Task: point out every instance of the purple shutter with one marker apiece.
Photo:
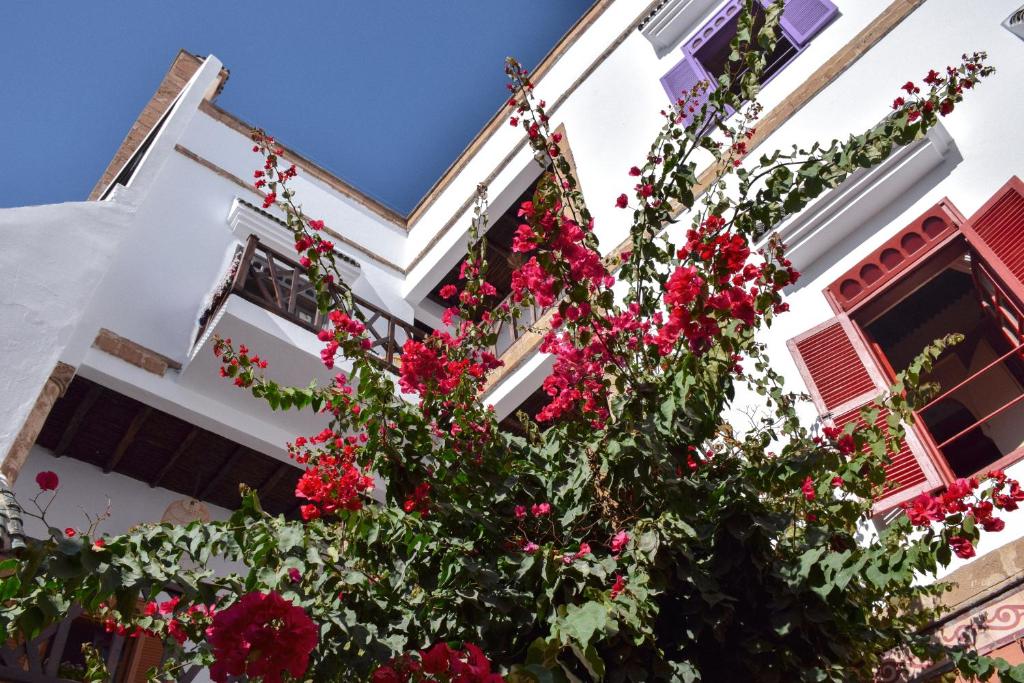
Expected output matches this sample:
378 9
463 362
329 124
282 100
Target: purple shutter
803 19
683 76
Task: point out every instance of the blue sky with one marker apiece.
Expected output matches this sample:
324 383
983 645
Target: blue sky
384 93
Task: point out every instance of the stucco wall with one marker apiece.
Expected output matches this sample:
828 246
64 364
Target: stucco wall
52 257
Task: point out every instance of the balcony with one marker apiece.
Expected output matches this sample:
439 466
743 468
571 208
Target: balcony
274 282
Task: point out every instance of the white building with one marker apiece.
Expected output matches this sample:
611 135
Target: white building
108 306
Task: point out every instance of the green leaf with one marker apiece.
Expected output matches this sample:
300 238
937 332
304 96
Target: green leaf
582 623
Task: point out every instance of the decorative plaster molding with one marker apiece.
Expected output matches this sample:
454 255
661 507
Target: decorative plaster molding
672 21
245 219
1015 23
832 217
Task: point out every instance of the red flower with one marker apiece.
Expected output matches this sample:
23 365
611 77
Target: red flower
923 510
622 202
469 665
808 489
634 171
448 291
437 660
618 586
962 547
69 532
48 481
262 635
619 542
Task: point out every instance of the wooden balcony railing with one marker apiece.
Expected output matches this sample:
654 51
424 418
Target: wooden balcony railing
275 282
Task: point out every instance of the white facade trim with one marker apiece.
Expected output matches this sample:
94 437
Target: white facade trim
673 21
1015 23
829 219
245 221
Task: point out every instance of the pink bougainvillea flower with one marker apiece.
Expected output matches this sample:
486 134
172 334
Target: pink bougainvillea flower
618 586
808 489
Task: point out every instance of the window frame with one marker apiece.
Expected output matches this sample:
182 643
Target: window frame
893 271
798 37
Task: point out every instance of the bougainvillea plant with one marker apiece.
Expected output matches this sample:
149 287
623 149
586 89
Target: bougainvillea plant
634 533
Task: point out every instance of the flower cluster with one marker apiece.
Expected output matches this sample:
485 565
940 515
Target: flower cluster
434 365
238 365
440 662
965 497
418 500
944 90
160 619
261 636
333 479
716 285
346 334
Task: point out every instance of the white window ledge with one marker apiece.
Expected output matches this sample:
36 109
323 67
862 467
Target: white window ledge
830 218
670 22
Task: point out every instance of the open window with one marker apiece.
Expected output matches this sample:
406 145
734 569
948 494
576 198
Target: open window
940 275
502 261
706 54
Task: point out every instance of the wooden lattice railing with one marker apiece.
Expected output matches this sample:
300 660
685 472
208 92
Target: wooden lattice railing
275 282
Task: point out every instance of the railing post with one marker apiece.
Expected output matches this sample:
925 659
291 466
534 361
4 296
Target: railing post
245 263
389 351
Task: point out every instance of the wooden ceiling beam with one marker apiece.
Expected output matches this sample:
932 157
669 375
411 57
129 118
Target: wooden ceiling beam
128 438
225 468
176 456
83 408
273 479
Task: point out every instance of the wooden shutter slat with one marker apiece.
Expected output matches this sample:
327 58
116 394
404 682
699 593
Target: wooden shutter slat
682 77
147 654
904 468
997 232
842 378
834 366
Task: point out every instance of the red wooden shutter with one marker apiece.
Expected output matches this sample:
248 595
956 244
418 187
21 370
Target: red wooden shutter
996 232
147 654
842 377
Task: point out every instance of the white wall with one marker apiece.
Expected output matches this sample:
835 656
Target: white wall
52 257
84 489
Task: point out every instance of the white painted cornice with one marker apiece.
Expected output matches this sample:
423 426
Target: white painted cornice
244 219
672 21
826 221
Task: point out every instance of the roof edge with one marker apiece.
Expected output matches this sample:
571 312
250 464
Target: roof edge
407 221
183 67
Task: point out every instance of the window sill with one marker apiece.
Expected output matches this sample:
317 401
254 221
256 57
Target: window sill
830 218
